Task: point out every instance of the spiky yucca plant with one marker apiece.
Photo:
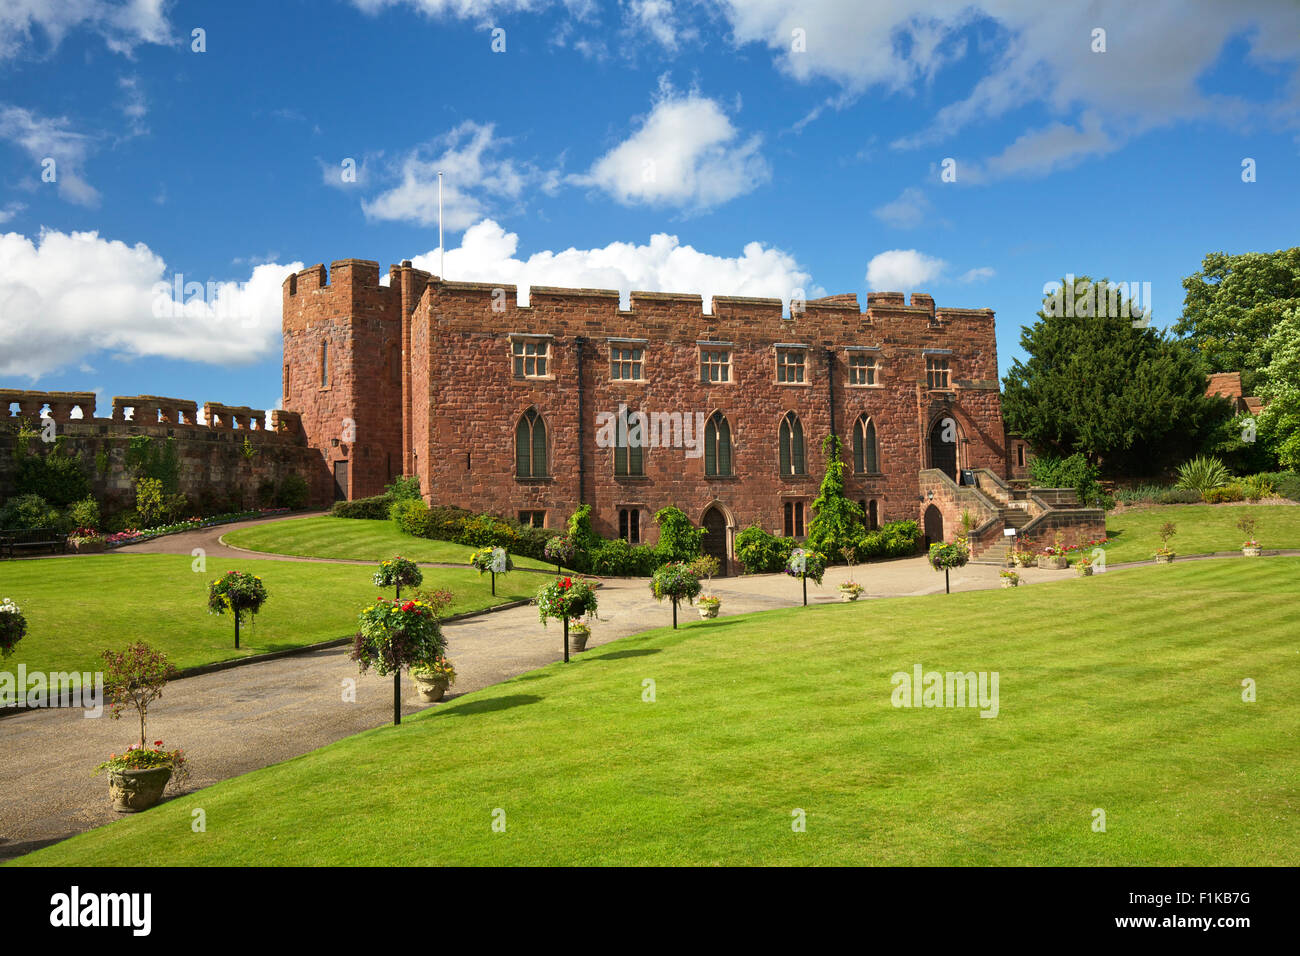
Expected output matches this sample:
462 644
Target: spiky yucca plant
1203 475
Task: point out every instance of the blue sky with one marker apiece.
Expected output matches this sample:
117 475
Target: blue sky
781 145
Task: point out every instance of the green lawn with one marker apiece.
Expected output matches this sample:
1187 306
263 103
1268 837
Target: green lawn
77 607
1120 692
354 539
1202 529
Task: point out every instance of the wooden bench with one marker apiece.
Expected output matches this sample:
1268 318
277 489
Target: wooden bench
11 542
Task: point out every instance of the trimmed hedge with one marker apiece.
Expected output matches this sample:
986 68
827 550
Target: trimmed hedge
375 508
761 552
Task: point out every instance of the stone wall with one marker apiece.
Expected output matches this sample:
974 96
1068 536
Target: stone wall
215 467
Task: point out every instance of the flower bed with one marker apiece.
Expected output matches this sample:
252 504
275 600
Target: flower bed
136 536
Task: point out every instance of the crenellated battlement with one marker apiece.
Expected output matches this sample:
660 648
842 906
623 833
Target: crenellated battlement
138 411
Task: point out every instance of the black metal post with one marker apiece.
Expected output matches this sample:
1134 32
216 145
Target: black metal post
804 579
946 588
566 640
494 583
397 696
236 630
674 614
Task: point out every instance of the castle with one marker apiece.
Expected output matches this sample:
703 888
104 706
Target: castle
531 411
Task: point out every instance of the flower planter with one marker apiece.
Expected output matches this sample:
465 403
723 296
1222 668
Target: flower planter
134 790
578 637
847 596
1008 583
1053 562
88 546
1084 570
1252 552
430 691
1164 558
708 611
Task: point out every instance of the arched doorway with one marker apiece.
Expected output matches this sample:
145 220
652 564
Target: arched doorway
933 524
943 445
714 541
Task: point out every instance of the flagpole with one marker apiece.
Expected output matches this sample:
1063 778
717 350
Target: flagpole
442 274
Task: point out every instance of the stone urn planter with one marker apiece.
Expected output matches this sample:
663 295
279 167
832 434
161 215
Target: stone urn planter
1165 558
1053 562
430 690
1083 570
850 592
708 609
1254 552
578 636
1010 583
134 790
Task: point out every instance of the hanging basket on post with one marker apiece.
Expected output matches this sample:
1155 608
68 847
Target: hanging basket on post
492 561
238 593
805 564
393 635
565 599
677 582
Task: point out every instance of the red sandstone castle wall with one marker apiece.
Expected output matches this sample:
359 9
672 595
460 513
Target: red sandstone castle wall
456 378
468 456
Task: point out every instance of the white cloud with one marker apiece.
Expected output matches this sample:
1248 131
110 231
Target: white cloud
903 270
978 274
133 104
1041 54
908 211
473 179
1055 146
488 253
45 138
10 210
123 25
686 153
67 296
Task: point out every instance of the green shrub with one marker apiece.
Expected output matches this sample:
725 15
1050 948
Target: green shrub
613 558
1229 492
1286 484
411 515
897 539
679 540
1202 474
374 509
760 552
292 492
58 477
1049 471
29 513
1256 487
84 514
403 487
1179 496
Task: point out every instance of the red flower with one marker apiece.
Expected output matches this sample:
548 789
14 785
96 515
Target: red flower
409 605
157 743
566 584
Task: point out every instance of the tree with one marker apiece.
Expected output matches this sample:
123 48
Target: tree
679 540
135 678
1232 307
1279 423
838 521
1121 393
677 582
